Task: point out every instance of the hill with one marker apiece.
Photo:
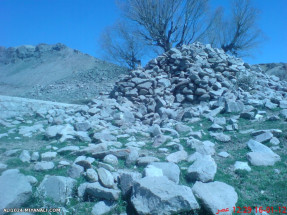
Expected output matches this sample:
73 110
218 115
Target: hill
54 72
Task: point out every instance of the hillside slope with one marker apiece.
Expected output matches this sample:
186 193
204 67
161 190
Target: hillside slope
54 72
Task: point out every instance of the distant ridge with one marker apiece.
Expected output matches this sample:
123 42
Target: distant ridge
54 72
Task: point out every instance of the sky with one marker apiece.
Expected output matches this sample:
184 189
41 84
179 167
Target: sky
79 23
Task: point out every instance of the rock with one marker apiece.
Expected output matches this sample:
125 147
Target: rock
2 166
215 127
283 104
104 137
221 137
48 156
261 155
25 156
106 178
170 170
154 130
143 161
35 156
265 137
283 114
103 207
203 169
127 179
180 128
68 149
57 188
152 171
275 141
239 165
111 159
92 175
75 171
234 107
216 196
15 189
82 126
53 131
97 191
205 147
223 154
44 165
84 161
159 196
247 115
177 157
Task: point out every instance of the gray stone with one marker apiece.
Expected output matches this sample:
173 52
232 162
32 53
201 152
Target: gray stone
127 179
247 115
181 128
205 147
152 171
97 191
234 107
143 161
68 149
275 141
239 165
82 126
265 137
283 114
44 165
203 169
15 189
160 196
221 137
75 171
84 161
106 178
111 159
103 207
2 166
92 175
283 104
48 156
35 156
25 156
57 188
261 155
223 154
170 170
177 157
215 127
216 196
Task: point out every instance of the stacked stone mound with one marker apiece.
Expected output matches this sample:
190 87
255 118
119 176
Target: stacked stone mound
188 75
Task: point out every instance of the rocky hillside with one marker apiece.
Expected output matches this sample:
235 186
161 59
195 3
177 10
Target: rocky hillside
278 69
54 72
194 132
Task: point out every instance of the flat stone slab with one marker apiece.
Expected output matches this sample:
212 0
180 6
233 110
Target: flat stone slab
216 196
57 188
15 189
160 196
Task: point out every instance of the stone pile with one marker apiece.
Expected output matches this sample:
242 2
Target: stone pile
193 74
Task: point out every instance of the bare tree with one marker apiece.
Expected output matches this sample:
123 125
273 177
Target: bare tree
168 23
240 34
121 45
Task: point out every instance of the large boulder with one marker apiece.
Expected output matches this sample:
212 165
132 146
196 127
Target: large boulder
203 169
15 189
261 155
57 188
216 196
160 196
